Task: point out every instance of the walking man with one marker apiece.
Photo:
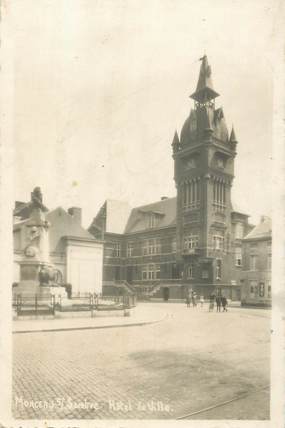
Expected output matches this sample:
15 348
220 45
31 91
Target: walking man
218 302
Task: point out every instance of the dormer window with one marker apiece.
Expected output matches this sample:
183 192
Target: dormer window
152 220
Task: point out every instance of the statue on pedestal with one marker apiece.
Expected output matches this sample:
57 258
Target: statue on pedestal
38 245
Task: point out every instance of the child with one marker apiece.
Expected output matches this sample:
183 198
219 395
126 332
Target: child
224 303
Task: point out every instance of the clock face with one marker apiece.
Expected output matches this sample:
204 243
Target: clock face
220 163
191 163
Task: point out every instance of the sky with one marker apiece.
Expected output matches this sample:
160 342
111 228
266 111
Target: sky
101 86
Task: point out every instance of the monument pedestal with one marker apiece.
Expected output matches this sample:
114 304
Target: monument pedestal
30 288
29 284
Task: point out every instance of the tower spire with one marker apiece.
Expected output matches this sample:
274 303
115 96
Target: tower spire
175 142
233 136
204 90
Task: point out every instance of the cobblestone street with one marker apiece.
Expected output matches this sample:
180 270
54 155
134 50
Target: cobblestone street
191 360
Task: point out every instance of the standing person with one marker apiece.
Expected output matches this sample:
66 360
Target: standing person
218 302
212 303
224 303
201 301
188 299
194 299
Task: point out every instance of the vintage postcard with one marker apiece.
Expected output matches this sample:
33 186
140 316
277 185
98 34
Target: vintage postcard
142 171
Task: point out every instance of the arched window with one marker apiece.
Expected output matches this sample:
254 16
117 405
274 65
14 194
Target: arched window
219 195
190 191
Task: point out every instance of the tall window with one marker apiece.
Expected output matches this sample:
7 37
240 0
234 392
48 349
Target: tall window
117 273
218 242
152 220
238 256
190 271
239 231
151 246
173 245
190 241
130 249
252 262
117 250
175 273
261 289
269 289
269 257
219 195
151 271
252 288
269 261
219 269
191 194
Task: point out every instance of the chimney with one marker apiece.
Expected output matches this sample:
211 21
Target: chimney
264 218
75 212
163 198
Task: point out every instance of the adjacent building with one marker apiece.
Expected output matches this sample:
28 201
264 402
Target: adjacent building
194 240
256 260
73 251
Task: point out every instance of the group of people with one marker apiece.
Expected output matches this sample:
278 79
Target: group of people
193 298
221 301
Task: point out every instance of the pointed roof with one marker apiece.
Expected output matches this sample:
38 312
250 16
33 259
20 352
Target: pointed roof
165 209
175 139
233 136
204 91
262 231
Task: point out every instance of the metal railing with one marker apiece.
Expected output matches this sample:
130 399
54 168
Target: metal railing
34 304
48 305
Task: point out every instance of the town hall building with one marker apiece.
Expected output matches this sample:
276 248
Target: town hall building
194 240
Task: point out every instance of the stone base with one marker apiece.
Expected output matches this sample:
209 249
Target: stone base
28 288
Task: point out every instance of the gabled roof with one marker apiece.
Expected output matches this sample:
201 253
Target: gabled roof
64 225
165 210
138 219
117 214
262 231
112 217
235 209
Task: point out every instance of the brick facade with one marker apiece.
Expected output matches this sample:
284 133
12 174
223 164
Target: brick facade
192 241
256 271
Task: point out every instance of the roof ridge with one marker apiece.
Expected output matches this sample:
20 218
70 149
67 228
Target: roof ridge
156 202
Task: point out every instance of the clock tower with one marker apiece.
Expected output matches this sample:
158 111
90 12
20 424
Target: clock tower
203 173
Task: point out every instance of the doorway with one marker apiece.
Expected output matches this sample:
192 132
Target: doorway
165 293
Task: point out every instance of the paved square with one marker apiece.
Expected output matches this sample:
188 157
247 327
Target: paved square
192 360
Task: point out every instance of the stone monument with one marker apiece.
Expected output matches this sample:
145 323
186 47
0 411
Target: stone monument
37 274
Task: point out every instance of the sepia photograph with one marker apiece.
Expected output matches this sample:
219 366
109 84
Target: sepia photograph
142 221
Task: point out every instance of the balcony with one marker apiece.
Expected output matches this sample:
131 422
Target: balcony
191 251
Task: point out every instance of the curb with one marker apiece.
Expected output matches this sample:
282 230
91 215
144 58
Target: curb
95 327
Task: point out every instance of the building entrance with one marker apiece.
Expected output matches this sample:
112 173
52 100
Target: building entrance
165 293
